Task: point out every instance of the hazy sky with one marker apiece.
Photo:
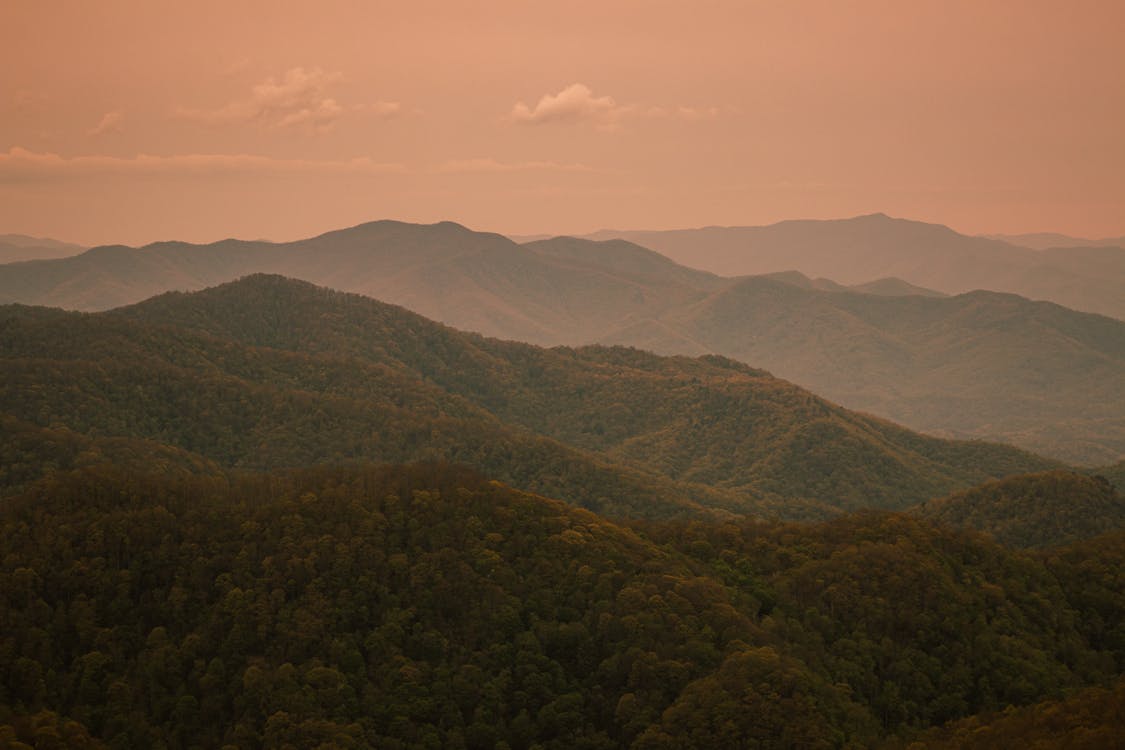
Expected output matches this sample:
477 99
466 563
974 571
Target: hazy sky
144 120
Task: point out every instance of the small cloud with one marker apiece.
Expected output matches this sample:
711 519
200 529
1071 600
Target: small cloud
297 100
492 165
110 123
575 103
22 165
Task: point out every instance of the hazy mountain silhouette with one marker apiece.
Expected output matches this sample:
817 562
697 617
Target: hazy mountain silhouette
20 247
978 365
1047 240
853 251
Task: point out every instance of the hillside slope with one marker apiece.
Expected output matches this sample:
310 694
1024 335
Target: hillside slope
1033 510
269 372
709 420
982 364
978 365
424 605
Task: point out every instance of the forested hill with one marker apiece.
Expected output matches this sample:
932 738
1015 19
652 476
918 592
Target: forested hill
269 372
425 606
706 421
980 364
1034 510
975 366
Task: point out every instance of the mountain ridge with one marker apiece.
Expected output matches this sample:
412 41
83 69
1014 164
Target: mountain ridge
970 351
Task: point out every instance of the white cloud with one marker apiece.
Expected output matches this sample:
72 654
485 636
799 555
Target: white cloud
110 123
577 103
21 165
297 100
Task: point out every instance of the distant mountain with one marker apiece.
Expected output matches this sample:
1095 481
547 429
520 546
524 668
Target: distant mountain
20 247
1047 240
980 365
854 251
557 292
885 287
268 372
1034 510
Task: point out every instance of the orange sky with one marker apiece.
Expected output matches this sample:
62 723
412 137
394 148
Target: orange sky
144 120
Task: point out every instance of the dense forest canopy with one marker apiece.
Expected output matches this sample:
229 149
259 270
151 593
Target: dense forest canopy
425 606
270 515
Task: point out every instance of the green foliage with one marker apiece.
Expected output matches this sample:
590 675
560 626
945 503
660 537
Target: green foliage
1034 510
425 606
1092 719
923 623
269 372
393 608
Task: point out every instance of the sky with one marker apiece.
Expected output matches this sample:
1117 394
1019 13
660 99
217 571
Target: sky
136 121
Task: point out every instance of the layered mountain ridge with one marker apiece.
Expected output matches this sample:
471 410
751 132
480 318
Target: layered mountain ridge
268 372
975 365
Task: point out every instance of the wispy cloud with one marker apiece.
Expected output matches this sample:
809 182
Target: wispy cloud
462 166
110 123
21 165
577 104
298 100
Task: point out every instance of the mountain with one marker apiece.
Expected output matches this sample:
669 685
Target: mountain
1034 510
979 365
428 606
20 247
983 365
554 293
1047 240
888 286
856 250
269 372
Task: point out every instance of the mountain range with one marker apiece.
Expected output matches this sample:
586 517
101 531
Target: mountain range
190 518
856 250
268 373
19 247
1047 240
977 365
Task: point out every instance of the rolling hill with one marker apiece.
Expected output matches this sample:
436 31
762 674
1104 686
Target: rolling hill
426 605
1034 510
561 293
1048 240
268 372
981 365
978 365
20 247
856 250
